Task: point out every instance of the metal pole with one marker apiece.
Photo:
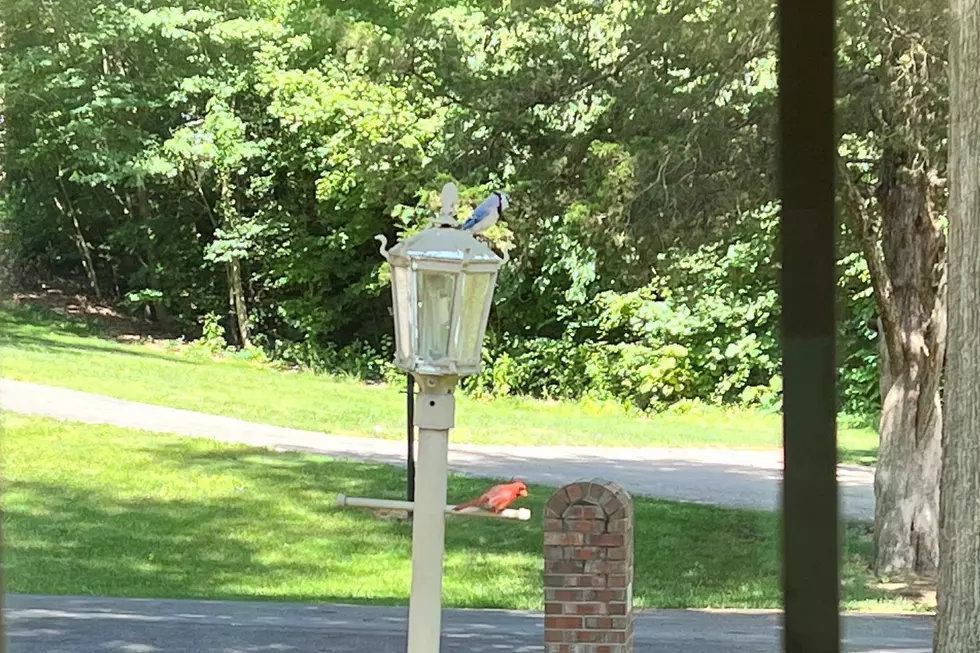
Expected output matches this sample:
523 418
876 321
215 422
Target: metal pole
810 514
410 392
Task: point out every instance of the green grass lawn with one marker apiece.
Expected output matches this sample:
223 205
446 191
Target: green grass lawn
36 346
96 510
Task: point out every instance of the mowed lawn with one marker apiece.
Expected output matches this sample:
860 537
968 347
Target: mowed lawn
97 510
37 347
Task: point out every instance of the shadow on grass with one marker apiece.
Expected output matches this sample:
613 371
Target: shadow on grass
31 328
283 534
40 343
14 315
62 540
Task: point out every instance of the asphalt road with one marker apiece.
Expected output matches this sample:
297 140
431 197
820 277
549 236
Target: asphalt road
39 624
740 479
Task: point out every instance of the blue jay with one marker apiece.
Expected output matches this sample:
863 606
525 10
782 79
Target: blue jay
485 215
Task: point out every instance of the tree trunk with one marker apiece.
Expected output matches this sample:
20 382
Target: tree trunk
84 249
237 300
160 309
907 476
906 256
958 613
236 288
914 319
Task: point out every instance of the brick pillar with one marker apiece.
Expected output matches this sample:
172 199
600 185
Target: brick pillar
588 558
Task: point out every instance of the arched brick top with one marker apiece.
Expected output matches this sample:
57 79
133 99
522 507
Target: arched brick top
609 500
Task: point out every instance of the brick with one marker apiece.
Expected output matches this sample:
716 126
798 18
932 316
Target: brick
553 607
584 525
574 492
616 580
604 567
609 539
597 494
605 595
582 580
616 608
616 489
607 623
559 648
619 525
554 553
552 524
598 623
587 608
611 504
584 512
565 566
623 512
598 637
564 539
559 580
563 622
557 503
615 553
558 635
562 594
588 553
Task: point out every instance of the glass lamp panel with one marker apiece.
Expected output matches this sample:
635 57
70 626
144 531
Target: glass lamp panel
474 297
437 290
404 313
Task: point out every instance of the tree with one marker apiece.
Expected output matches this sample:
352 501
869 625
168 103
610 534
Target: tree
958 616
893 191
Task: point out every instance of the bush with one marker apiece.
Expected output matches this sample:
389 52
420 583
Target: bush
703 331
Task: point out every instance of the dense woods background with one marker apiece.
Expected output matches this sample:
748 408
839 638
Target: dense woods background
225 164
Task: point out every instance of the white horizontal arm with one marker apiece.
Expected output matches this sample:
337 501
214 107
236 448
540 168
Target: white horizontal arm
522 514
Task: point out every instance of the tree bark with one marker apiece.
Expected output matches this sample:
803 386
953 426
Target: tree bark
906 256
909 457
958 613
237 298
236 289
160 310
84 249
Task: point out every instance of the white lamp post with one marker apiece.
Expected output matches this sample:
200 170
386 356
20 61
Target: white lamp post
442 283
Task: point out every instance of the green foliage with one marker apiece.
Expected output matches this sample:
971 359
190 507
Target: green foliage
702 329
233 162
213 337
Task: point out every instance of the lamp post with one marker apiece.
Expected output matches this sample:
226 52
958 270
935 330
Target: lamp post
442 282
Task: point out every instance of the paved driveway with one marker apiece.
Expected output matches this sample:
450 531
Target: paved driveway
38 624
742 479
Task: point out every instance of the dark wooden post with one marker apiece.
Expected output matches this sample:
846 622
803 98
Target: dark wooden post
808 153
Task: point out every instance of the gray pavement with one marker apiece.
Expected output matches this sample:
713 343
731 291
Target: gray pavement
741 479
39 624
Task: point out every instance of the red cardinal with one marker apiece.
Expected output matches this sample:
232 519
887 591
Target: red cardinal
498 497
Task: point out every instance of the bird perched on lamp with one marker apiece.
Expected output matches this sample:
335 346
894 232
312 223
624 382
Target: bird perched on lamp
486 214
